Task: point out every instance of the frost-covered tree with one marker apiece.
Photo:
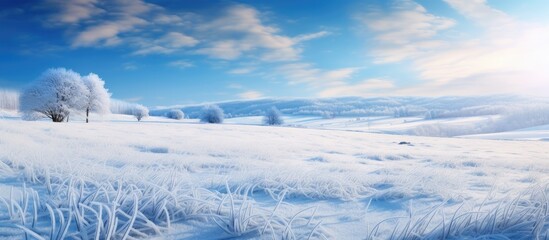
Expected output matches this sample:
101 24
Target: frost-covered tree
175 114
211 114
273 117
98 98
55 94
140 111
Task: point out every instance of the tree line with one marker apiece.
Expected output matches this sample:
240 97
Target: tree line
58 92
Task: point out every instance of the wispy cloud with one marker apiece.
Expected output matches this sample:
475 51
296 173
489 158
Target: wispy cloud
121 17
169 43
235 86
129 66
365 88
181 64
311 36
240 30
244 70
405 31
250 95
457 65
301 72
72 12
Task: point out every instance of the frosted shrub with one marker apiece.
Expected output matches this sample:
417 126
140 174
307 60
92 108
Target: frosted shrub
273 117
98 98
211 114
140 112
55 94
175 114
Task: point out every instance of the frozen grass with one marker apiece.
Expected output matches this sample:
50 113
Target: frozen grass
525 216
172 179
87 209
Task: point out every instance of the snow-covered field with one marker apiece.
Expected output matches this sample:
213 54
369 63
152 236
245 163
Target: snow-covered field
312 179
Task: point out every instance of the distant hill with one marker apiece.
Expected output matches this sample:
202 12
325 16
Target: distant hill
357 106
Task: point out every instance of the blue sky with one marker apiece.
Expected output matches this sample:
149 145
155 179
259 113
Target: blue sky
180 52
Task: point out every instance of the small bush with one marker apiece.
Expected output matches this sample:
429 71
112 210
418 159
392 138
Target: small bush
140 112
211 114
175 114
273 117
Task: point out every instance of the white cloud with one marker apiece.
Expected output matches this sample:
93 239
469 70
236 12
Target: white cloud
250 95
107 27
506 56
106 33
129 66
241 70
169 43
404 32
235 86
225 49
365 88
71 12
181 64
306 73
311 36
407 21
177 40
240 30
480 12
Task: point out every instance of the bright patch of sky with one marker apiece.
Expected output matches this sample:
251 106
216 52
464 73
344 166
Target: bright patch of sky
178 52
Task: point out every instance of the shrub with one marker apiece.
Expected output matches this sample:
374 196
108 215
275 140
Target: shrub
212 114
175 114
273 117
140 112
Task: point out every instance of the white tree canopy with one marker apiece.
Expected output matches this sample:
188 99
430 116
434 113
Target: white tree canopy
98 98
140 112
55 94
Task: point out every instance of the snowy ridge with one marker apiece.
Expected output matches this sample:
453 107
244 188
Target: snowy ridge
356 106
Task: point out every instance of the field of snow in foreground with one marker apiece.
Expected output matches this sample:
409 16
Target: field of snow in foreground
181 180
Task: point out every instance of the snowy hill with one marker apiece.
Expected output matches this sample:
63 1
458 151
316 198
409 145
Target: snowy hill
186 180
356 106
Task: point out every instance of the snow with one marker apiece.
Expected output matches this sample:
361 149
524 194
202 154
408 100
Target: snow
324 178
